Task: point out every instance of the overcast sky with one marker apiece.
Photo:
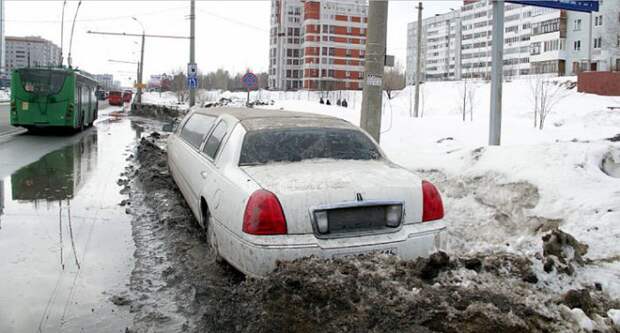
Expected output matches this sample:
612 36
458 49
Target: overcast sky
230 34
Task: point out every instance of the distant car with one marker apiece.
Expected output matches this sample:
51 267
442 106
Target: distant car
101 95
127 94
115 97
278 185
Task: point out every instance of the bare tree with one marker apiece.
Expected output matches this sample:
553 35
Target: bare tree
179 85
393 79
546 94
467 99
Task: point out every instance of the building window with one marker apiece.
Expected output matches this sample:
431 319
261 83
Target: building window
578 25
577 45
598 21
598 43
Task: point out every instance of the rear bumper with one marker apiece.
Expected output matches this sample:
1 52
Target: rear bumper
258 255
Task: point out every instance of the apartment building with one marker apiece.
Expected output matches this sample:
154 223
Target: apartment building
30 52
285 45
602 51
317 45
477 23
537 41
441 48
2 42
106 81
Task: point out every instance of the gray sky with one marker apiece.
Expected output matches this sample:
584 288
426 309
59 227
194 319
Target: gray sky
230 34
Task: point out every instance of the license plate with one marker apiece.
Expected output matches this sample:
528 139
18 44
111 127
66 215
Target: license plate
25 106
389 251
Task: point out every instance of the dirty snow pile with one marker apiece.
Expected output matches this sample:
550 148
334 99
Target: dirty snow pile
177 285
507 198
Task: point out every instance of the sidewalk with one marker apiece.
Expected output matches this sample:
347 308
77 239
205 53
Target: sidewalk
7 131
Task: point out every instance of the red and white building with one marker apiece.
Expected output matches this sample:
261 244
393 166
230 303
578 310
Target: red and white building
317 44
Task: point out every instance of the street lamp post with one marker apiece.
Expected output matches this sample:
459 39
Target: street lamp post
141 69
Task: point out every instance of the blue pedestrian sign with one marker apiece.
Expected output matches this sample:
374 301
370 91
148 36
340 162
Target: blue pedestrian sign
249 80
574 5
192 82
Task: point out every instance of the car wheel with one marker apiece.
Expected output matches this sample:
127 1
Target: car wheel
210 235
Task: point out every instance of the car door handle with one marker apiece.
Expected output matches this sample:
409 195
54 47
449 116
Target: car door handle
203 174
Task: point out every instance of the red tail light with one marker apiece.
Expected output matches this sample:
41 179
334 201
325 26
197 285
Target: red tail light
263 215
433 206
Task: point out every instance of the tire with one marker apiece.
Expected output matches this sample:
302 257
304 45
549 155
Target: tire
210 235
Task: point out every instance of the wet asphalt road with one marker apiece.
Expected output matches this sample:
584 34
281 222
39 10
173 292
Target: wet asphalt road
65 243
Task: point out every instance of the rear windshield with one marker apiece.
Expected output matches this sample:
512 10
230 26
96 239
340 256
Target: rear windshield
42 82
115 93
298 144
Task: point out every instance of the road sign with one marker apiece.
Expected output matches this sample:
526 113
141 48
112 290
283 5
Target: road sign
192 70
192 82
574 5
139 85
250 81
374 80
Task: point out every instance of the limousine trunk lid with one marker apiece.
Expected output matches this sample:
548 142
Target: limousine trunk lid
347 189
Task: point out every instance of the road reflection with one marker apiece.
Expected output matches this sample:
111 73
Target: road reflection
65 243
58 175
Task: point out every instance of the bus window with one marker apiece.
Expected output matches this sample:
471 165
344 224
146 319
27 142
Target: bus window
42 82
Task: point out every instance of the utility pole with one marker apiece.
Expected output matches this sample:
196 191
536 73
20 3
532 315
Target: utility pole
372 96
192 50
418 63
497 53
62 32
140 73
590 45
69 59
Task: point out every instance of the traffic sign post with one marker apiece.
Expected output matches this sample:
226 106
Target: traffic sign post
250 81
497 52
192 83
192 76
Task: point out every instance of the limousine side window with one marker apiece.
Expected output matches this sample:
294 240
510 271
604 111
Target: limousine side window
215 140
196 128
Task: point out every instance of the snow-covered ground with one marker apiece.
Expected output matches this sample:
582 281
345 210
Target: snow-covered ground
167 98
505 198
5 95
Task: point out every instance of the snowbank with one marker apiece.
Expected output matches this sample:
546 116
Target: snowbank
167 98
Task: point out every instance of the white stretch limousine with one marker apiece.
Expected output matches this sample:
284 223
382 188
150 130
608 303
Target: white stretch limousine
278 185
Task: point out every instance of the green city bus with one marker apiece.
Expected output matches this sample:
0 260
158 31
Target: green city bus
53 97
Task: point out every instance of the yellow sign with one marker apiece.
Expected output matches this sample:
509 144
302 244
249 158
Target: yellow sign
25 106
139 85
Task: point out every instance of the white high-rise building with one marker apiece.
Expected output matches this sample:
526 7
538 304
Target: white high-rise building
3 70
441 48
537 40
605 44
30 52
285 45
477 21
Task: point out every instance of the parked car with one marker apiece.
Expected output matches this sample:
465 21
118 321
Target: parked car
277 185
115 97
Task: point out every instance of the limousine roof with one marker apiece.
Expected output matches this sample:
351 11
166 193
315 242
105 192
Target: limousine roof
259 119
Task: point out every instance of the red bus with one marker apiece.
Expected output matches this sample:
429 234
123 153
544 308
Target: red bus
115 98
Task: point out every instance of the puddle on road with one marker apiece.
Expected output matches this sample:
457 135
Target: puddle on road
65 243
